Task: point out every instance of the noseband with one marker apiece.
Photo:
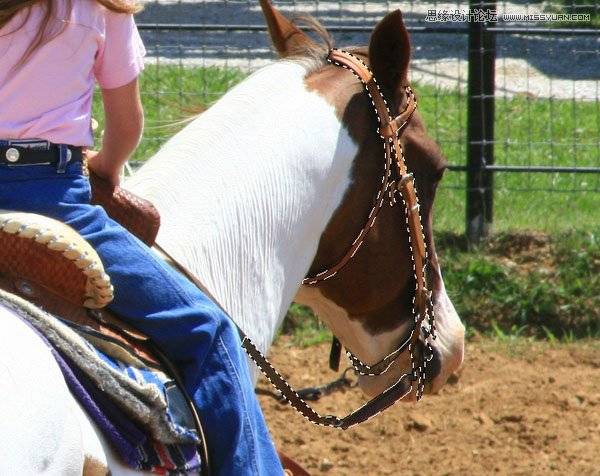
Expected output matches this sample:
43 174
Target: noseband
396 181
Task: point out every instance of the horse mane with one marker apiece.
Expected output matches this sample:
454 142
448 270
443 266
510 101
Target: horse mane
312 58
314 55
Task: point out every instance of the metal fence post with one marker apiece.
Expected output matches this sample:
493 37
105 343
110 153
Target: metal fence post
480 127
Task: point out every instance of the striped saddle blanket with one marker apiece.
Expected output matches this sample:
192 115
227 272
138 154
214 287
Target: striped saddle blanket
139 409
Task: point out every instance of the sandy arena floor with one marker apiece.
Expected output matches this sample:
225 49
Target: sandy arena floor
516 409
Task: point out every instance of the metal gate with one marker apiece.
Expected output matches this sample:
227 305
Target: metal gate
514 104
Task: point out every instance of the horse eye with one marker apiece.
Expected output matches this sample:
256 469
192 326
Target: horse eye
439 173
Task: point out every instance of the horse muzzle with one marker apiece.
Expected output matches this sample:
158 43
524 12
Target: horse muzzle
445 357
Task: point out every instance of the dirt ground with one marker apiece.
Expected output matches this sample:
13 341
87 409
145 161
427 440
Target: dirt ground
517 408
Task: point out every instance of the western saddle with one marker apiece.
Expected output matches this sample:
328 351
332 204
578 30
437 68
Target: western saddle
51 265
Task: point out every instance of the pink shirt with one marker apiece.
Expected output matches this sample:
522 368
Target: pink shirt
50 96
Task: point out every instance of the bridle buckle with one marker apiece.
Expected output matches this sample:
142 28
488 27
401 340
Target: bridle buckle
409 177
389 131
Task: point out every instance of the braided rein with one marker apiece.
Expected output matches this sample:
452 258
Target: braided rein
389 129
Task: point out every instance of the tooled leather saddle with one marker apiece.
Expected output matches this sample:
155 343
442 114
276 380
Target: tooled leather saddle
50 265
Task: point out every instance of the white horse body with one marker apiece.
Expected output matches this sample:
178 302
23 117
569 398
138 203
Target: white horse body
245 215
38 411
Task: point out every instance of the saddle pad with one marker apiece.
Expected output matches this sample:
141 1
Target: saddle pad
139 410
102 323
132 444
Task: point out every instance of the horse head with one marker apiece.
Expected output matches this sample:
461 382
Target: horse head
369 303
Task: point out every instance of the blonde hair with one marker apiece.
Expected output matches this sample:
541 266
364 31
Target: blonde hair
10 8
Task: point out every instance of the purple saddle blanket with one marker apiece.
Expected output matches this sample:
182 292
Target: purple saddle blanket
165 443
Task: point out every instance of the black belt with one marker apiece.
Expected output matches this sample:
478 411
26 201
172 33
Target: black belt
16 154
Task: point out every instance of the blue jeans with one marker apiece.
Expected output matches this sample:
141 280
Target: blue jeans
199 338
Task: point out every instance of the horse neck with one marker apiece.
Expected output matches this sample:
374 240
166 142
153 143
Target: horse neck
246 190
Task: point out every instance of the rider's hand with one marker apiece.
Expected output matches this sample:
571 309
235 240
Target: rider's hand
98 165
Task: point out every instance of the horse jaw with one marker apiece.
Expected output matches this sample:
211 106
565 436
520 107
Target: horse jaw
448 350
246 190
368 347
371 348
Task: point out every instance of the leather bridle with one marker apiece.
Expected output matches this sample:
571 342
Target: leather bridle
396 180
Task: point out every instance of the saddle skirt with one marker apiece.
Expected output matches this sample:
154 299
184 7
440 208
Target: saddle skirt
55 282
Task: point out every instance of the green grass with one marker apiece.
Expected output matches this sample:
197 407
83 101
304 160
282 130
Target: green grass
527 285
555 302
304 326
529 131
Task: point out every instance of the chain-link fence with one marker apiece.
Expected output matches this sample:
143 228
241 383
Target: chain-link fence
514 102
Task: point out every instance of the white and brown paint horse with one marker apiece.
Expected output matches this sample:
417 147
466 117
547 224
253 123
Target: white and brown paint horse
269 185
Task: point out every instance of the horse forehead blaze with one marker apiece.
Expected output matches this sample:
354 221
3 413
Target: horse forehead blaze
368 303
377 285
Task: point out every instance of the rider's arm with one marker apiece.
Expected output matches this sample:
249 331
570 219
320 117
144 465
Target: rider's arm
118 63
124 122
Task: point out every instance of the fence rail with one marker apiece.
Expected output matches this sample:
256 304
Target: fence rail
368 29
488 129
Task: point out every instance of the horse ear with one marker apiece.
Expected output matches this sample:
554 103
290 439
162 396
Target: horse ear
389 52
287 38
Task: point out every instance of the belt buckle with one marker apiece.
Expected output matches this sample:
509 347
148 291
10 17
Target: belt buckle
12 155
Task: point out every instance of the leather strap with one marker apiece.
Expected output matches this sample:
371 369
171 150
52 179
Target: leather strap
15 155
389 129
291 467
373 407
335 354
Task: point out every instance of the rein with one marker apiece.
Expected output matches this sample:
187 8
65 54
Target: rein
396 179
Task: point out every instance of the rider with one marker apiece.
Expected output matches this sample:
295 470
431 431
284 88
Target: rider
52 53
